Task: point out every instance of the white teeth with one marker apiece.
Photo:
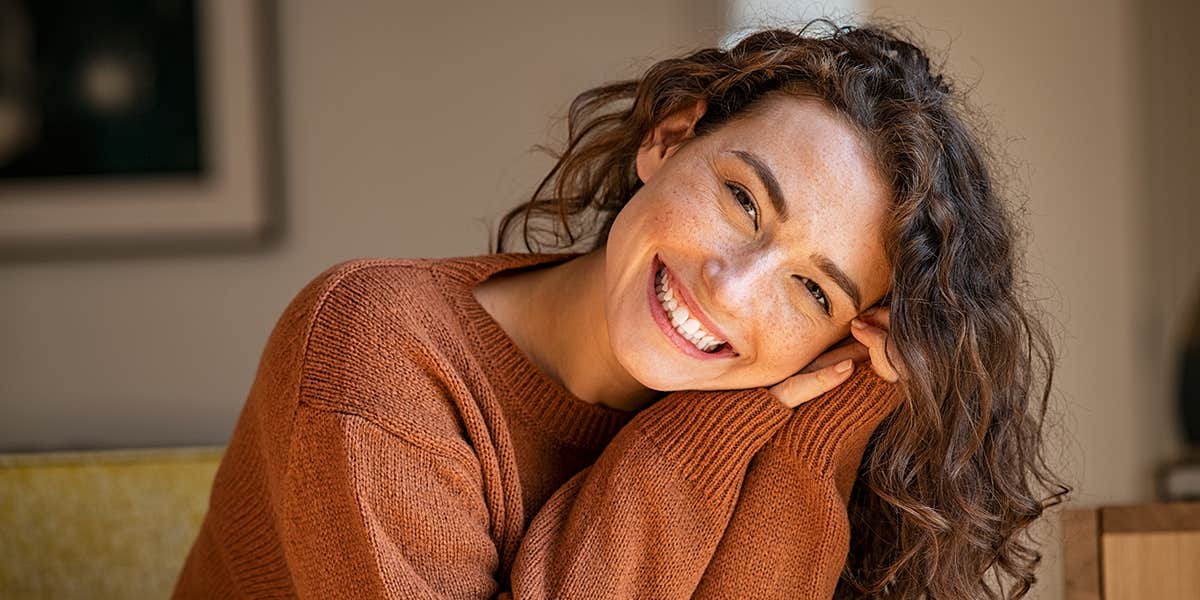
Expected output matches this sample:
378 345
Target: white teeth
681 318
683 314
691 326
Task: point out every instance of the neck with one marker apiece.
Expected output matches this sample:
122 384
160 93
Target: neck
566 323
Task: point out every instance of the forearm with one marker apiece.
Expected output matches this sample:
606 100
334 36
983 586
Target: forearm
644 520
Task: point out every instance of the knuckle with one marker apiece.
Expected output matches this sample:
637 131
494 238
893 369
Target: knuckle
819 378
792 389
788 386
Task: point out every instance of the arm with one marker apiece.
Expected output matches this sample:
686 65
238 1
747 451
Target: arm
644 520
366 513
372 513
789 535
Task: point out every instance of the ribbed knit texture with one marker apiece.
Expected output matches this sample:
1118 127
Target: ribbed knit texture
396 443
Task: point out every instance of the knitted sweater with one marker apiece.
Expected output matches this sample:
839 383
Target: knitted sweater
396 443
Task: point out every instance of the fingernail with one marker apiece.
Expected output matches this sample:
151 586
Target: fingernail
858 324
844 366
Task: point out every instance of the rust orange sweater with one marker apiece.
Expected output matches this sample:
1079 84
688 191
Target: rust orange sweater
397 444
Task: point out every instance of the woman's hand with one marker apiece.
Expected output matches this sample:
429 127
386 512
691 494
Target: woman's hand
871 329
823 374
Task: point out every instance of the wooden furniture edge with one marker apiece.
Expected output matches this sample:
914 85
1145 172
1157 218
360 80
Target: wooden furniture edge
1081 553
1175 517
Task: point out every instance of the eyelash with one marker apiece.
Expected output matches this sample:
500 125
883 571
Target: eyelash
739 194
816 291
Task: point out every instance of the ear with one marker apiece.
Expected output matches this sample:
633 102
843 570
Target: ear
664 139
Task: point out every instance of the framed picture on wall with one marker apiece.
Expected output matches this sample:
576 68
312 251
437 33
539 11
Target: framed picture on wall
137 127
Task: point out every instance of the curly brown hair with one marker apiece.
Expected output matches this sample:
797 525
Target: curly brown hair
952 480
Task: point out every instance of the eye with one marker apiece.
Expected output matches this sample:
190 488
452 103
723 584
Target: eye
817 293
745 201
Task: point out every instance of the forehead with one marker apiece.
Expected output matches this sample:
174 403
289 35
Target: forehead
811 148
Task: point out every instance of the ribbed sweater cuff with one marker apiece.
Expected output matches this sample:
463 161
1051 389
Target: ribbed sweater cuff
830 432
713 435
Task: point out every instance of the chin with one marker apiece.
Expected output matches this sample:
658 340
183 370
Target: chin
656 373
648 371
646 362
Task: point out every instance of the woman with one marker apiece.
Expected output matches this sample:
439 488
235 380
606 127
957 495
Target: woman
623 422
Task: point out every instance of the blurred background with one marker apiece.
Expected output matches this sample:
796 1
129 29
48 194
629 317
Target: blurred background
132 312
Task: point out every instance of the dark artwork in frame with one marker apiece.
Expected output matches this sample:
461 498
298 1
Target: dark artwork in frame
99 88
137 128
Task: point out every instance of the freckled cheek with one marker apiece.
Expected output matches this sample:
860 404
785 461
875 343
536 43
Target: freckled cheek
781 347
687 215
787 346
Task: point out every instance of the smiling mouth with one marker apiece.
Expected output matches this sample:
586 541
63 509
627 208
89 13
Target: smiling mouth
681 318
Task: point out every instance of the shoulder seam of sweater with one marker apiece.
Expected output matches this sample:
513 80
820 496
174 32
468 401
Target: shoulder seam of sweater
335 274
347 269
412 437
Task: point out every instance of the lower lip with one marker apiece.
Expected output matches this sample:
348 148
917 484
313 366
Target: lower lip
664 323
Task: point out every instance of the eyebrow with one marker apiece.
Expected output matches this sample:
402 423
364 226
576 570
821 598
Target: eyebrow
839 277
767 178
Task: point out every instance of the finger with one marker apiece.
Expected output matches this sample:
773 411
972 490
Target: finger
802 387
875 339
879 316
852 349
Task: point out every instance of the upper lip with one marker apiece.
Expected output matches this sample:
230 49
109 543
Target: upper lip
694 309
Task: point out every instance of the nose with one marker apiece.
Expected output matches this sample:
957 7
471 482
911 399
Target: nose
738 282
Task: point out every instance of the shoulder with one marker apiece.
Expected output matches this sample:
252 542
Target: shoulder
363 291
375 273
382 344
353 303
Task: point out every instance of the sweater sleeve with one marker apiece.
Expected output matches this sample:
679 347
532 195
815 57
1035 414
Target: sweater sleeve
644 519
790 533
369 513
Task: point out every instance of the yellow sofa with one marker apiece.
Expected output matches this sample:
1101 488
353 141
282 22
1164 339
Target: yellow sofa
104 524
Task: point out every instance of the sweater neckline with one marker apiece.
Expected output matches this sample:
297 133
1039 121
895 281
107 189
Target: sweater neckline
528 390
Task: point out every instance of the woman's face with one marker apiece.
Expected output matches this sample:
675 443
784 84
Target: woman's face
760 278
